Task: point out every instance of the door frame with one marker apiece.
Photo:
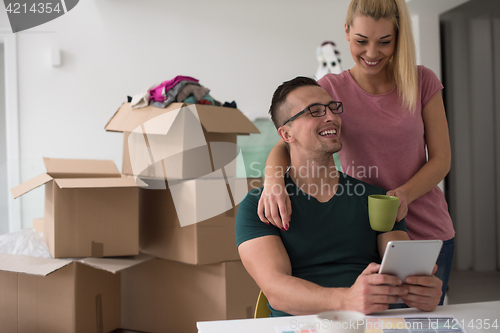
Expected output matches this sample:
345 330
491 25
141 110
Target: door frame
9 40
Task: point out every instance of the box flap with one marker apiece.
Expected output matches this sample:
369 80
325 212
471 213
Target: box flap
115 265
115 121
29 185
213 118
30 265
127 119
218 119
38 225
73 168
95 182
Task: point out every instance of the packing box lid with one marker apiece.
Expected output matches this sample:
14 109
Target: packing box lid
30 184
214 119
74 173
78 168
30 265
45 266
95 182
116 264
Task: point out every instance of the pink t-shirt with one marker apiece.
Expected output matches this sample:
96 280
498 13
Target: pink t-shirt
384 145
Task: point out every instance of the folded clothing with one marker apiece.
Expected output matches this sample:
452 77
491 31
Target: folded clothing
230 105
207 100
141 100
172 93
196 91
159 93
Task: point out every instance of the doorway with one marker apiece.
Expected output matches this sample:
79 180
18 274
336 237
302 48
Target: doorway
470 36
4 199
10 209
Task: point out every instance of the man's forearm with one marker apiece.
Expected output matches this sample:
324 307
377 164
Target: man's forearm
300 297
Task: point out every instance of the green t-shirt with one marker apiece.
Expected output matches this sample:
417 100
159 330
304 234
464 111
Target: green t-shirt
328 243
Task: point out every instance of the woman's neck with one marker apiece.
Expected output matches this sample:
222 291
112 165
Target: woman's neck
377 84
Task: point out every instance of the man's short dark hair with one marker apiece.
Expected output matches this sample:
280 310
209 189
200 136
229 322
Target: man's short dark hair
279 98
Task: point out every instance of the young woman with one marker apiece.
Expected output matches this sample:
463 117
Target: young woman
393 111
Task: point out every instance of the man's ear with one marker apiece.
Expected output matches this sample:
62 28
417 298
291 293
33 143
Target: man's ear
284 132
346 28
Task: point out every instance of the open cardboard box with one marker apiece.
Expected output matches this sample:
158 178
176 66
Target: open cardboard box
192 221
90 209
66 296
38 225
168 296
182 141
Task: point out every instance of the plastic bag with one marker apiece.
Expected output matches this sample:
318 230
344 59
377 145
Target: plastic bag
25 242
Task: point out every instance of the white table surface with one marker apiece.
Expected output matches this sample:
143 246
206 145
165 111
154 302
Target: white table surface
477 312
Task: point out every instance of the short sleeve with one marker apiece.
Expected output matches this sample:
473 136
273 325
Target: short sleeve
248 225
401 226
429 84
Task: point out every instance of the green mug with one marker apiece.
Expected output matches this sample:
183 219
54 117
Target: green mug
382 211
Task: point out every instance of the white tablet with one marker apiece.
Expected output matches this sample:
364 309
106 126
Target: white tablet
411 257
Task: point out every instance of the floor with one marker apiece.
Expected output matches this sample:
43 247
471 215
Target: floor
469 286
463 287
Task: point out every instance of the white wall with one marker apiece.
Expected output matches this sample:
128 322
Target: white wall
110 49
4 199
425 16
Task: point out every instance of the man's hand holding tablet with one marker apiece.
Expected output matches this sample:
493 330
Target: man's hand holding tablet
414 262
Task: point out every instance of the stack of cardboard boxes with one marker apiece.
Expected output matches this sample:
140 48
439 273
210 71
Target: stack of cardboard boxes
92 211
175 202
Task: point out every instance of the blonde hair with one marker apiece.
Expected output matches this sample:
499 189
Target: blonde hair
403 64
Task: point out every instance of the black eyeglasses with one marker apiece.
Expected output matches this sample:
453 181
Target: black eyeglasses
319 110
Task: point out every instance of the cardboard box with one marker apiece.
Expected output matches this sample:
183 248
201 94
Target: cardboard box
38 225
168 296
54 295
208 205
87 216
182 141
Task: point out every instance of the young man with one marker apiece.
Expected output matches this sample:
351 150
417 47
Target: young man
327 260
